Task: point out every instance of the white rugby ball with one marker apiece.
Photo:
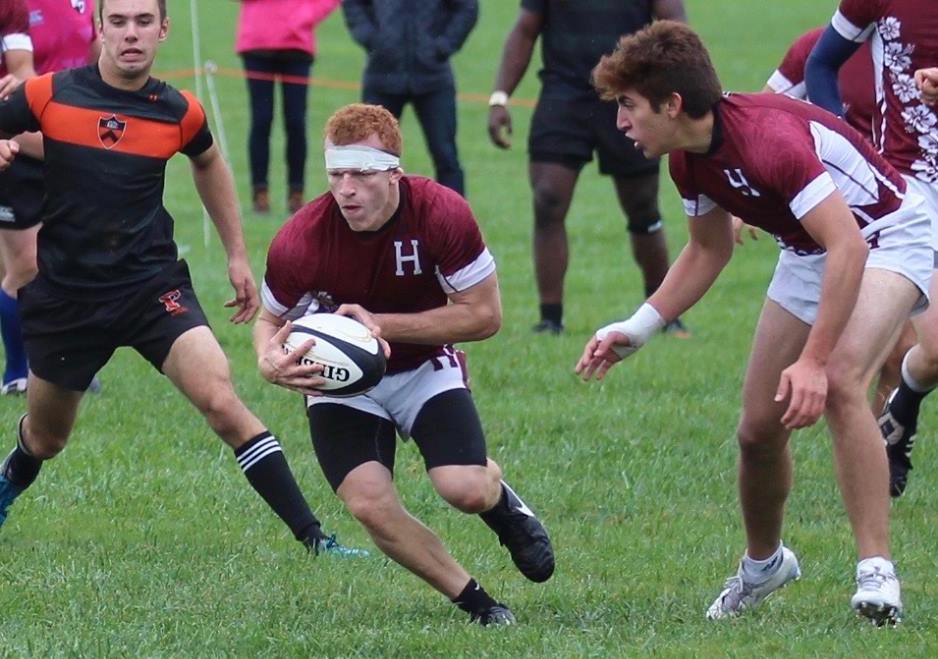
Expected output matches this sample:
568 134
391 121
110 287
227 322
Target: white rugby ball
352 359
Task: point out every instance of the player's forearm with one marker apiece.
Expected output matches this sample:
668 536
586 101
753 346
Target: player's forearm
215 186
840 287
264 330
31 145
688 279
454 323
515 59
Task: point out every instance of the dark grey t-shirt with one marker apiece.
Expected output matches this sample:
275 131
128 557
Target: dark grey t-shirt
577 33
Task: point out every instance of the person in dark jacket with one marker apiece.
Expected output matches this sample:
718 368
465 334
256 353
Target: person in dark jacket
409 44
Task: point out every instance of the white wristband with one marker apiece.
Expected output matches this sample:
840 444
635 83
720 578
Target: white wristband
498 97
639 328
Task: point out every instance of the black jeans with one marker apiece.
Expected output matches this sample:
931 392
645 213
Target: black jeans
436 112
261 91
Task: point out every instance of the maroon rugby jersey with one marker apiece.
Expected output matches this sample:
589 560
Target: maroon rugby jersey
14 28
904 36
774 158
431 247
855 80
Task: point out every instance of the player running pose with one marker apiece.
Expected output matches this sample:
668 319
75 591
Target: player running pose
855 262
108 269
404 256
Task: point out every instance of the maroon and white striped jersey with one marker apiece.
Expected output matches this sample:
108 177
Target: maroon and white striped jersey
904 36
431 247
774 158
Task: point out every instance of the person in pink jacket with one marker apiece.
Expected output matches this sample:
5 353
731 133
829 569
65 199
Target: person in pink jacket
275 40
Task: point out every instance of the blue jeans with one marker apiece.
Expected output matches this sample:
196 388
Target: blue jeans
436 112
261 92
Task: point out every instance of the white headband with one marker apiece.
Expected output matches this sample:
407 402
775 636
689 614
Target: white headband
361 158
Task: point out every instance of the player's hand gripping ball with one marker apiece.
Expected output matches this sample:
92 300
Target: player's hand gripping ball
352 359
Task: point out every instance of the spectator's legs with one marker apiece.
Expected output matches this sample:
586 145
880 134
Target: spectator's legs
294 121
260 71
437 114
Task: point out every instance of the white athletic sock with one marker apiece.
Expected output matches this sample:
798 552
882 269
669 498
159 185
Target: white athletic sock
910 381
755 571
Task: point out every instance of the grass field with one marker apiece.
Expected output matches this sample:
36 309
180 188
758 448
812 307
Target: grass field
143 538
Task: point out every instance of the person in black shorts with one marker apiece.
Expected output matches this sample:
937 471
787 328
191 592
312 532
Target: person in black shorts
569 124
109 275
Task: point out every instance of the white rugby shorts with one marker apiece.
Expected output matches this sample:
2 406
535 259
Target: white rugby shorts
903 245
399 397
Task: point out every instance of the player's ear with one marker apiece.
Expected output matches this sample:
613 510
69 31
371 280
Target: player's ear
164 29
674 105
397 175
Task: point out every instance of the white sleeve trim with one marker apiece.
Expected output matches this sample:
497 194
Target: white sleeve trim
779 84
699 206
469 276
287 313
813 193
848 30
17 41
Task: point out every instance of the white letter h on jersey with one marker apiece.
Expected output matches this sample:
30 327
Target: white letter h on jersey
401 259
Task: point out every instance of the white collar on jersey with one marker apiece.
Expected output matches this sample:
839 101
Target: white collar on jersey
361 158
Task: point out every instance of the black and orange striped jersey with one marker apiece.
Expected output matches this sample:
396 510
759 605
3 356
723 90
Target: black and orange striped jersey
105 227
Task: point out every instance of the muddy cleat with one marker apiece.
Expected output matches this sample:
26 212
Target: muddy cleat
14 387
548 327
523 534
878 596
740 595
900 439
494 615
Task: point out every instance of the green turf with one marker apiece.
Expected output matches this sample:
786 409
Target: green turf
143 538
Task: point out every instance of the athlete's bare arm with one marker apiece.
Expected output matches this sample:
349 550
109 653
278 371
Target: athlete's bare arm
277 367
19 65
471 315
215 185
516 56
708 250
833 227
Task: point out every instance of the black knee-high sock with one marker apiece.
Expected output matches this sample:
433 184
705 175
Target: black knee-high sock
905 404
20 467
474 599
263 463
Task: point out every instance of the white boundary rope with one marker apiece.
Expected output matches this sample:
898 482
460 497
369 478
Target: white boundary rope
196 62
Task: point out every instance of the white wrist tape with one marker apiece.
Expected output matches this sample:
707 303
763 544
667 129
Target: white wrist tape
360 158
639 328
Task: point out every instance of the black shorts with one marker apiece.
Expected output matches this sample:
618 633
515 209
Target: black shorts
21 193
568 128
447 431
68 340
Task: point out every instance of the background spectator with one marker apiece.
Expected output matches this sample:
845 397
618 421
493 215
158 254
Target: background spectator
409 44
275 39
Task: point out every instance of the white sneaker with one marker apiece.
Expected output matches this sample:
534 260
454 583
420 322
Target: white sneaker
878 595
739 594
13 387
